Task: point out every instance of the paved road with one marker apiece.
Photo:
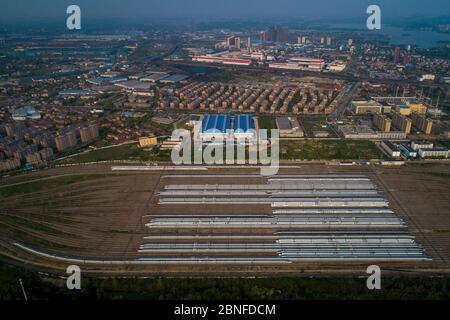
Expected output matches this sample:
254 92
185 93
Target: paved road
339 112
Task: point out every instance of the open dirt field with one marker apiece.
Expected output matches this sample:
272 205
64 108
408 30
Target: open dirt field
92 212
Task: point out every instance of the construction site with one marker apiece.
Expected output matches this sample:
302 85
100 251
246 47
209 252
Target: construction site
308 219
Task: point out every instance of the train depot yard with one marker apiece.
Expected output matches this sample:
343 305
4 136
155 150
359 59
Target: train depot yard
311 219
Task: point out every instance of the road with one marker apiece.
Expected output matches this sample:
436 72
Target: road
155 58
339 112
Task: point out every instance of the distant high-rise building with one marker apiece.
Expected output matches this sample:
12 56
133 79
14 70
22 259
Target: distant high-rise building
401 122
421 122
382 122
264 36
271 34
16 130
46 154
89 133
66 138
237 42
9 164
322 40
406 59
396 54
249 42
230 41
33 158
277 34
329 41
350 42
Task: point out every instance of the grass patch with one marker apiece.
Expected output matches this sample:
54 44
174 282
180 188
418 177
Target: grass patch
124 152
311 123
267 122
329 150
42 185
443 143
221 76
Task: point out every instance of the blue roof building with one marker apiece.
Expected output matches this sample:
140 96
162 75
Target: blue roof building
407 151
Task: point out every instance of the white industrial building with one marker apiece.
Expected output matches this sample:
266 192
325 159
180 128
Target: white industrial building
391 149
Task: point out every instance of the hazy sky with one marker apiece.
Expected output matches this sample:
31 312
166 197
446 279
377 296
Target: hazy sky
54 10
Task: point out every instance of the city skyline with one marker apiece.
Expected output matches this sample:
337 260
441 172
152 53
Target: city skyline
140 10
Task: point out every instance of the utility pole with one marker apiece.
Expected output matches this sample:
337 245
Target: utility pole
23 290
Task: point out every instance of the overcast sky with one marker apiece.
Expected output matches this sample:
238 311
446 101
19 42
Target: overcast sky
54 10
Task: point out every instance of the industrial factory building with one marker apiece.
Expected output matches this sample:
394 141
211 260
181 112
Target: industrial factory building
289 127
416 145
243 126
222 60
365 107
407 110
436 152
218 127
391 149
407 151
300 63
215 127
424 150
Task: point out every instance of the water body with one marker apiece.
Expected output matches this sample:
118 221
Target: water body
400 36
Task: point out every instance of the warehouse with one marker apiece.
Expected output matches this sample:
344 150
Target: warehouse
357 132
215 127
155 76
390 149
223 60
289 127
436 152
243 126
416 145
366 107
407 151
